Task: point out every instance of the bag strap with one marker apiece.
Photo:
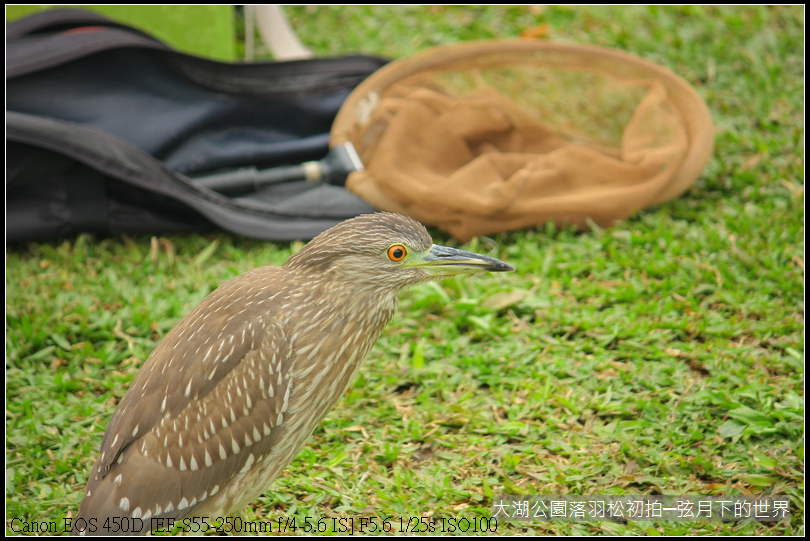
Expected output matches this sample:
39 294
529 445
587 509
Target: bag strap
55 20
63 35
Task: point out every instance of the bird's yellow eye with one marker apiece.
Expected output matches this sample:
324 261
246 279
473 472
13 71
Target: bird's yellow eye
397 252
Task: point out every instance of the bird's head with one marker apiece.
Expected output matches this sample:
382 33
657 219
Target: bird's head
386 250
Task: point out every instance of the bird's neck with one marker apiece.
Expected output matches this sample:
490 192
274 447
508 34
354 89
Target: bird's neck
331 335
343 311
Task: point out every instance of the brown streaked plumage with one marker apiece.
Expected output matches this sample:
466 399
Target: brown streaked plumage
231 394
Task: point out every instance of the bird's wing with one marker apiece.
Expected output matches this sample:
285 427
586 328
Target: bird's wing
205 404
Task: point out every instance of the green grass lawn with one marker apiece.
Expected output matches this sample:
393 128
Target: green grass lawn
662 356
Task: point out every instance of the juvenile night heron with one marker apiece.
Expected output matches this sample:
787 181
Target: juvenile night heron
232 393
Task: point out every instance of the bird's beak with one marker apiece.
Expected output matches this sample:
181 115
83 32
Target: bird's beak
445 261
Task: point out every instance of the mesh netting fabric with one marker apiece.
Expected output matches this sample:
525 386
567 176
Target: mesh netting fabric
496 136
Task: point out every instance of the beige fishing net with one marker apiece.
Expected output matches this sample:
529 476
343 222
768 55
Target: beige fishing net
485 137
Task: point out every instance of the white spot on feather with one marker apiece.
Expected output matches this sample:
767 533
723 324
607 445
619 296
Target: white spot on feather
248 464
